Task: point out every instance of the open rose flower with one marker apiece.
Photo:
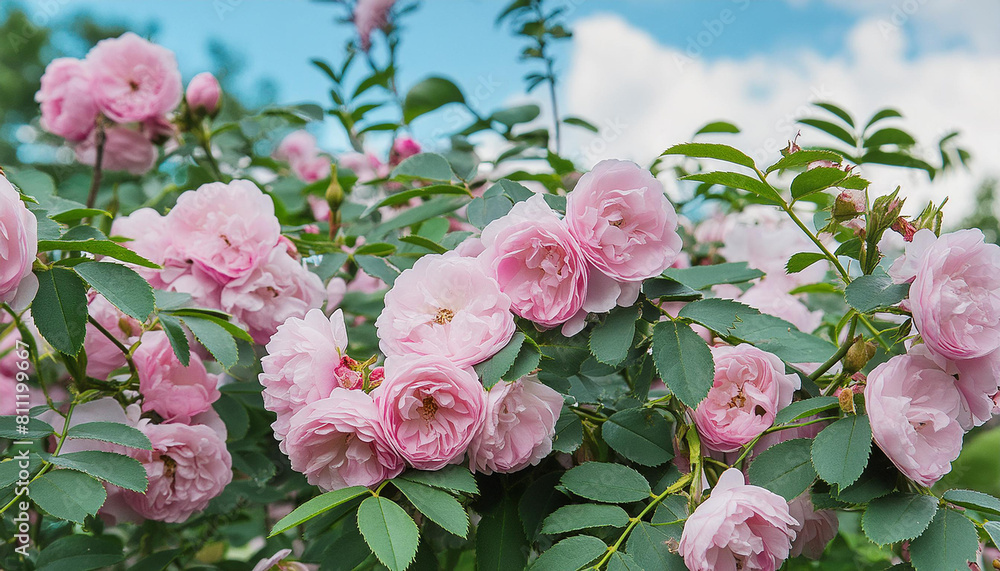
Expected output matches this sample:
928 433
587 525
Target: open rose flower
623 221
68 108
175 392
445 306
766 240
537 263
738 527
103 356
520 423
978 381
814 529
371 15
771 300
187 467
276 562
338 442
750 388
914 407
430 409
300 365
18 248
134 79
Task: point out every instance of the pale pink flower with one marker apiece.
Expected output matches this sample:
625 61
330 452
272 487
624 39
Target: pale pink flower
134 79
445 306
188 466
173 391
335 291
766 240
977 382
750 388
337 442
68 108
714 228
520 423
18 248
430 409
367 167
312 169
914 407
295 146
204 93
371 15
771 300
537 263
103 356
275 562
905 268
814 529
124 150
738 527
403 148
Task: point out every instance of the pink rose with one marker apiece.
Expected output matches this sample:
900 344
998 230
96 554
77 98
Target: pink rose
520 423
714 228
134 79
370 15
337 442
750 388
771 300
913 407
103 356
977 382
430 409
173 391
148 235
955 294
402 149
335 291
276 290
445 306
905 268
814 529
295 146
124 150
68 108
365 166
738 527
623 221
203 93
275 562
537 263
18 248
226 230
766 240
311 169
299 365
188 466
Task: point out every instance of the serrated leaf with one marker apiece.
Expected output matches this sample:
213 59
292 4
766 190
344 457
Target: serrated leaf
650 547
666 289
831 129
803 158
570 554
611 340
877 290
33 430
607 483
114 468
215 338
491 370
711 151
701 277
802 260
640 434
100 246
80 553
316 506
60 309
840 452
737 180
569 432
112 432
815 180
785 468
684 361
840 113
124 288
68 494
804 408
993 529
622 562
583 516
718 127
525 363
898 517
389 531
973 500
500 541
174 331
406 196
454 478
889 136
948 544
440 507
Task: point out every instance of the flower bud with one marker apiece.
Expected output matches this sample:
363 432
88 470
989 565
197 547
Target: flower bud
858 355
204 94
849 204
376 377
905 228
846 397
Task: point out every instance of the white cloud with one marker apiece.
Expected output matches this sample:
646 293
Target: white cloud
648 96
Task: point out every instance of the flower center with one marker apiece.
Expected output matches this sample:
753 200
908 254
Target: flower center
169 466
443 316
429 409
739 400
617 223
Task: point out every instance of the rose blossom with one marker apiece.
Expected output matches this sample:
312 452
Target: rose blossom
537 263
335 291
766 241
771 300
68 108
204 93
275 561
370 15
738 527
187 467
445 306
338 442
913 406
814 529
749 389
172 390
977 382
296 145
402 149
227 230
300 363
124 150
430 409
955 294
134 79
18 248
520 423
623 221
103 356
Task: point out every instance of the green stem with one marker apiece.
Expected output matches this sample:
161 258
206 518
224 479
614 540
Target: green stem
875 332
46 465
121 347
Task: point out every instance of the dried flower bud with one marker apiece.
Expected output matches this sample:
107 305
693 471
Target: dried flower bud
905 228
846 398
850 203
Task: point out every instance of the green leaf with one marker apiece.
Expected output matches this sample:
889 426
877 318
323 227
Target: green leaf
666 289
737 180
440 507
889 136
378 267
420 241
875 291
114 468
993 529
33 430
683 360
898 517
380 249
804 408
408 195
831 129
815 180
785 468
607 483
429 95
718 127
569 432
584 516
389 531
80 553
491 370
517 114
611 340
217 318
973 500
882 114
234 415
500 541
803 158
570 553
711 151
843 115
650 547
949 543
622 562
425 166
701 277
840 452
316 506
802 260
60 309
897 160
454 478
430 209
112 432
525 363
121 286
640 434
215 338
576 121
101 247
177 337
68 494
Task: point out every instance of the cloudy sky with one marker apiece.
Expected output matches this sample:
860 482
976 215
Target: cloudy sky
648 72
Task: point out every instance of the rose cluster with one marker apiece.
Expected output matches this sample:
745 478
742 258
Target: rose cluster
129 85
222 244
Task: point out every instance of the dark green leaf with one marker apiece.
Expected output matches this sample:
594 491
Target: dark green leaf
157 561
889 136
441 507
581 123
831 129
701 277
68 494
683 360
584 516
803 260
804 408
60 309
406 196
607 483
178 338
711 151
429 95
33 430
491 370
101 247
993 529
113 432
882 114
840 452
316 506
380 249
840 113
875 291
378 267
500 542
611 340
117 469
570 553
121 286
425 166
815 180
525 363
973 500
803 158
949 543
80 553
898 517
569 432
641 435
389 531
737 180
666 289
718 127
785 468
454 478
622 562
215 338
650 547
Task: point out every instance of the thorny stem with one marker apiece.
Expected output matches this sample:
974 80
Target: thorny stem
100 138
